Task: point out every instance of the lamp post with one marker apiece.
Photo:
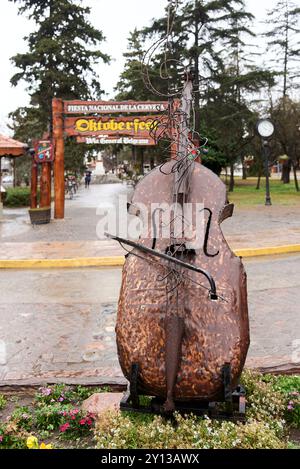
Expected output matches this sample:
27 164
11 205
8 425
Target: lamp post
266 151
265 129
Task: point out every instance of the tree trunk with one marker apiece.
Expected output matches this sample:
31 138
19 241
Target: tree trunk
244 169
258 181
295 176
244 174
231 183
286 172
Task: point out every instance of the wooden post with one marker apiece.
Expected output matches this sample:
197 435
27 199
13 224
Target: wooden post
34 184
44 186
49 183
59 163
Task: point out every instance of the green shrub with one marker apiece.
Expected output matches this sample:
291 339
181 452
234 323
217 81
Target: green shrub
114 430
11 437
66 394
289 388
17 197
76 424
57 393
23 418
71 421
264 403
84 392
50 416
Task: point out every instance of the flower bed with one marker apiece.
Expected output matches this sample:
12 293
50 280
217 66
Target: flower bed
53 418
270 415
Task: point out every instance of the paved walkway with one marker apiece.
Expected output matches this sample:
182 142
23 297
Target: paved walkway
76 237
58 325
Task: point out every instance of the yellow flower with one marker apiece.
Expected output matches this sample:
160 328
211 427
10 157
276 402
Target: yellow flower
44 446
32 442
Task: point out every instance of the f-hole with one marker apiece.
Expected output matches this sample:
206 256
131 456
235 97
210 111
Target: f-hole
208 225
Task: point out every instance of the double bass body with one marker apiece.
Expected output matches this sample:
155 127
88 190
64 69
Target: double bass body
214 333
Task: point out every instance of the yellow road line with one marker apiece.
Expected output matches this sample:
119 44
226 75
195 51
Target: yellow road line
118 261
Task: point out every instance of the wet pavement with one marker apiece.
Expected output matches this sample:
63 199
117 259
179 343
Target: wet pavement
80 218
76 236
58 325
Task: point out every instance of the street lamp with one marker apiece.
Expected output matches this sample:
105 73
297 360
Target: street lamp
265 129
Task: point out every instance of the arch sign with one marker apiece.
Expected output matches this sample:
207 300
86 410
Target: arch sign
99 122
106 127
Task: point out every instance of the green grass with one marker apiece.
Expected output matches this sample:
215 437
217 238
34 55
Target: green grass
245 193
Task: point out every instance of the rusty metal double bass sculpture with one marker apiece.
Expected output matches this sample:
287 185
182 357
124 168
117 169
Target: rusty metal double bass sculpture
182 326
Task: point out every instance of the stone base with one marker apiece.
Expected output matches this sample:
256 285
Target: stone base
102 402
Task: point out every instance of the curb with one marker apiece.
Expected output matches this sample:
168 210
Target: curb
118 261
268 251
115 261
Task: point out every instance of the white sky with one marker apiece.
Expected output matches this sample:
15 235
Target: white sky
115 18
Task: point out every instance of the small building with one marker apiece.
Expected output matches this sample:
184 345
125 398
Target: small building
9 148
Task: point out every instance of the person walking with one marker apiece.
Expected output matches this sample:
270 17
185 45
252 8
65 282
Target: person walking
87 180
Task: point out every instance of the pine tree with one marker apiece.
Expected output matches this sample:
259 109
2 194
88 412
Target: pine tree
131 84
61 56
201 29
286 116
238 80
284 40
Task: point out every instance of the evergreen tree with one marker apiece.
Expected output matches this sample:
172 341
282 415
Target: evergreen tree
284 40
286 116
209 35
131 84
61 57
199 26
238 80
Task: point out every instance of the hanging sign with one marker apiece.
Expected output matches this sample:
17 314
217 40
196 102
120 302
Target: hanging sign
137 127
114 107
44 151
109 140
